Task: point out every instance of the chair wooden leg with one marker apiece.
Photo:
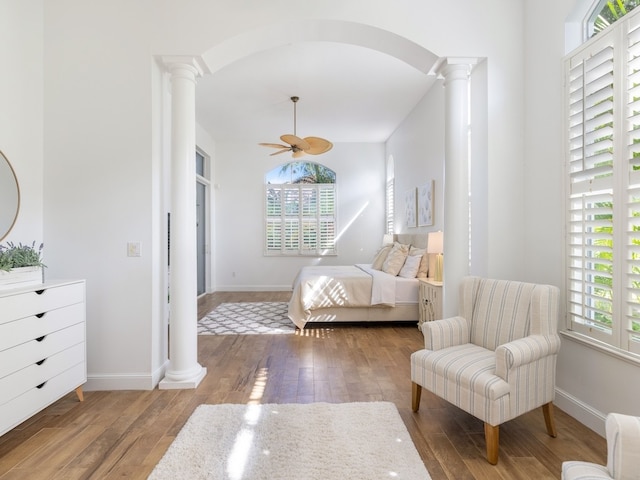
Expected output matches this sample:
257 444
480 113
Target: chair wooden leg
547 410
492 439
416 393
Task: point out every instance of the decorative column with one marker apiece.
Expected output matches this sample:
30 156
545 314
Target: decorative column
456 180
184 371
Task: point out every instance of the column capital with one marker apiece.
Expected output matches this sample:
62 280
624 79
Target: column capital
194 64
454 67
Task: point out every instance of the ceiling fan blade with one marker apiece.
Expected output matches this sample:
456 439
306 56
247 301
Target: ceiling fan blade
317 145
298 153
295 141
280 151
273 145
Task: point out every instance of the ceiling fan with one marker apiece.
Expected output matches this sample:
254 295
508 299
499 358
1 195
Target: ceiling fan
300 146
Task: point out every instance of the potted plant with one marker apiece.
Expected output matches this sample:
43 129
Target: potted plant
21 264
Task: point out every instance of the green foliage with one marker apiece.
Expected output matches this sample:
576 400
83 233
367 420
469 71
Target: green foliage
16 256
306 172
612 11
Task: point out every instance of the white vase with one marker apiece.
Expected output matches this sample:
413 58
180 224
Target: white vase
18 277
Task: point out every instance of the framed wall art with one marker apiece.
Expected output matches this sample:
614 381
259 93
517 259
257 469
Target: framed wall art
425 204
410 207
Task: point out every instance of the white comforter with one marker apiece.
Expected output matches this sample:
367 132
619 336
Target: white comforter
339 286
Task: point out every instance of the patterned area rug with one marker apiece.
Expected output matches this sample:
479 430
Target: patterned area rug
247 318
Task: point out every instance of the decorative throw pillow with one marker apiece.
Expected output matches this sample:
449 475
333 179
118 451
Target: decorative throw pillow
423 269
380 257
395 260
410 267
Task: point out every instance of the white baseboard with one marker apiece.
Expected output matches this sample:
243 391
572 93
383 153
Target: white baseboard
585 414
253 288
125 382
158 374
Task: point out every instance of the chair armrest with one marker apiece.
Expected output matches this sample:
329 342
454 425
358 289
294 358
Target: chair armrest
523 351
447 332
623 445
576 470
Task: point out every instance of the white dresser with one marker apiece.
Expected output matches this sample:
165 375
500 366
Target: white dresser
42 348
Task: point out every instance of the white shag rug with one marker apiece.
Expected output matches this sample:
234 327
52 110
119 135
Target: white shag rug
317 441
247 318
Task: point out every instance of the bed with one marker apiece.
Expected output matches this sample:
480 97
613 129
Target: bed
362 292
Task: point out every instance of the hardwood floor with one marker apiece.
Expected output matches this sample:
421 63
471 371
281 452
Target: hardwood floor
123 434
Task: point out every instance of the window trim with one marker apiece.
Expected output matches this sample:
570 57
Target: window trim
603 347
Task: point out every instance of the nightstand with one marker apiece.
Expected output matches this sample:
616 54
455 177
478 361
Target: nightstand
430 299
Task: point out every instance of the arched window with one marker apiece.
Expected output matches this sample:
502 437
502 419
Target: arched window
607 12
300 210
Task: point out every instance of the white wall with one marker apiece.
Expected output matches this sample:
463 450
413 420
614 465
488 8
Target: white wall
103 162
417 147
21 136
239 213
99 190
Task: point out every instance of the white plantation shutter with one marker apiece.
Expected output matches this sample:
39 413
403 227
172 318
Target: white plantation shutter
309 240
630 329
390 205
632 323
327 219
603 112
300 219
591 93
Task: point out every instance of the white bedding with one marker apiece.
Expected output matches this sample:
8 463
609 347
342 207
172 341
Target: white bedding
348 286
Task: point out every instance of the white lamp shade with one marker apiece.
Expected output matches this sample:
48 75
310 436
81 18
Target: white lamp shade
387 238
435 242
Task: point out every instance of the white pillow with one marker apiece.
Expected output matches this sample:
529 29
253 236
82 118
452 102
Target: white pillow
380 257
395 259
423 269
410 267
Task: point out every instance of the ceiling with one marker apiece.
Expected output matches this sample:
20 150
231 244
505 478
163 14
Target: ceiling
347 93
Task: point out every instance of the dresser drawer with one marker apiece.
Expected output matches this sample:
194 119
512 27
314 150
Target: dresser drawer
34 302
39 373
28 353
29 328
22 407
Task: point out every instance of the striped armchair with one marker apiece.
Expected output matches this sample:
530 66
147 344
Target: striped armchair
497 359
623 453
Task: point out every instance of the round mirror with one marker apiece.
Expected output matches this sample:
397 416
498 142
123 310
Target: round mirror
9 196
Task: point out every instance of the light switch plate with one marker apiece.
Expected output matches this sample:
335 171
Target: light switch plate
134 249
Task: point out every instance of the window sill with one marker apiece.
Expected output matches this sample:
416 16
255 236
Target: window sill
610 350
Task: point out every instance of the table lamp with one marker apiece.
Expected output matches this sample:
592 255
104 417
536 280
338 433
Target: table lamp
435 241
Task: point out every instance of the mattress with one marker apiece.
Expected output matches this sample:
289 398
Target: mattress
320 293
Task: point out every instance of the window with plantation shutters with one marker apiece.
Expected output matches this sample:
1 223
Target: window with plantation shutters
390 195
300 216
390 206
603 172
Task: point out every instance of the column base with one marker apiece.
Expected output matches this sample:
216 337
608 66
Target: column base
183 383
